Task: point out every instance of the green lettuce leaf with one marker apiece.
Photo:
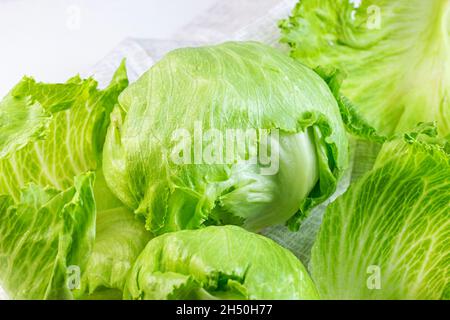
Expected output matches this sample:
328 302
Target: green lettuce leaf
395 53
355 124
51 133
120 238
388 236
217 263
45 239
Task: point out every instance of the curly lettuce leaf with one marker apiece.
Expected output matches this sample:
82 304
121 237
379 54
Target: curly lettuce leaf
43 237
388 236
395 53
355 124
51 133
70 127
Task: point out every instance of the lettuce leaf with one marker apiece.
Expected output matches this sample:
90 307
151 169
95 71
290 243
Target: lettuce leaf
54 132
50 134
395 54
43 236
388 236
120 238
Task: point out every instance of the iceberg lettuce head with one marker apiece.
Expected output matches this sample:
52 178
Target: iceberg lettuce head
237 133
224 262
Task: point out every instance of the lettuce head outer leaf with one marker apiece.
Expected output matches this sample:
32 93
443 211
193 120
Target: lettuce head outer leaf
217 263
42 236
51 133
230 86
388 236
355 124
119 239
396 55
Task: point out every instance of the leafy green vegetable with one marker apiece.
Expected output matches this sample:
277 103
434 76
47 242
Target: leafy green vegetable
119 240
217 263
239 135
388 236
233 86
54 132
50 134
354 123
44 235
395 54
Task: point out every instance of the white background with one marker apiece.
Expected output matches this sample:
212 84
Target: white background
53 40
